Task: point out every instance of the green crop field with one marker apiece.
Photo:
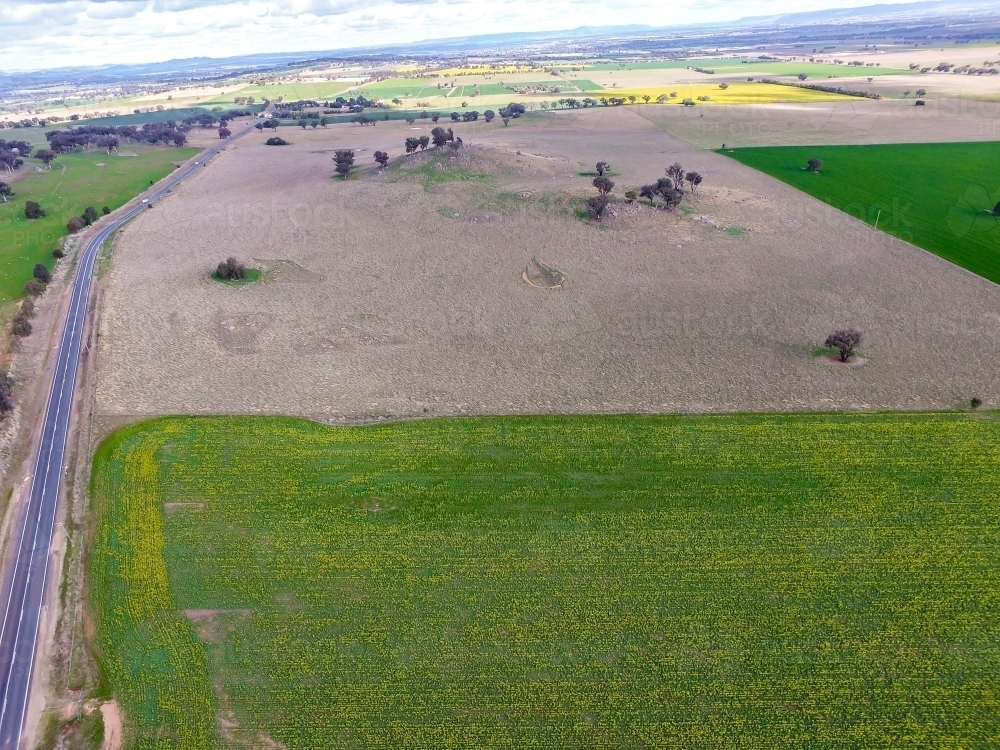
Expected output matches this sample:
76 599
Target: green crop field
889 183
75 182
821 581
584 85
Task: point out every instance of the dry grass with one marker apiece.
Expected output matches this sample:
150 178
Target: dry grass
401 295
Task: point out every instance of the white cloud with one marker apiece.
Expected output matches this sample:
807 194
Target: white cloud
49 33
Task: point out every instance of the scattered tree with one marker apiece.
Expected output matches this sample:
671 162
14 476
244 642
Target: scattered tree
845 342
6 393
676 173
344 159
996 209
424 142
46 155
803 76
33 210
382 158
106 210
921 92
276 141
35 287
20 326
5 191
231 270
975 402
412 144
440 136
41 273
814 164
435 117
75 224
906 93
648 192
224 133
89 215
603 185
455 116
602 167
723 86
693 179
597 205
489 114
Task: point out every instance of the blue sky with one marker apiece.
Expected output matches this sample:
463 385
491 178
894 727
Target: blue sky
49 33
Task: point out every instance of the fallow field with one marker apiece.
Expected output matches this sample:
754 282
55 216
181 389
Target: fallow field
746 581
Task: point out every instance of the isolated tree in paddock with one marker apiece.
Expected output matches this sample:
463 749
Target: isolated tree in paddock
303 123
603 185
410 121
845 342
676 173
693 179
506 120
412 144
602 167
597 205
89 215
276 141
921 92
313 124
814 164
344 159
324 122
488 115
45 155
424 142
225 133
260 126
231 270
5 191
802 76
41 273
455 116
106 210
382 158
648 192
646 98
435 117
33 210
906 93
75 224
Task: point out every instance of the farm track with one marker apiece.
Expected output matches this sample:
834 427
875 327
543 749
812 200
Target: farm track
26 570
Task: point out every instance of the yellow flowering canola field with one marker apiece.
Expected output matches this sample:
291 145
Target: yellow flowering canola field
736 93
821 581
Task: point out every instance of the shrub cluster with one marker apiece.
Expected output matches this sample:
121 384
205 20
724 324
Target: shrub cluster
231 270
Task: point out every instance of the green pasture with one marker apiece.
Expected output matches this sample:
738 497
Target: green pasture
820 581
935 195
74 182
584 85
290 91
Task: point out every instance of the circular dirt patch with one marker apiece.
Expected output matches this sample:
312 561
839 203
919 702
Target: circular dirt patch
832 359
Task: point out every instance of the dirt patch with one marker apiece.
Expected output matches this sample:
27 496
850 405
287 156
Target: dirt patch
238 333
215 625
114 735
545 277
168 507
833 359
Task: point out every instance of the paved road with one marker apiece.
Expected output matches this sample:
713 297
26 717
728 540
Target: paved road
27 567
